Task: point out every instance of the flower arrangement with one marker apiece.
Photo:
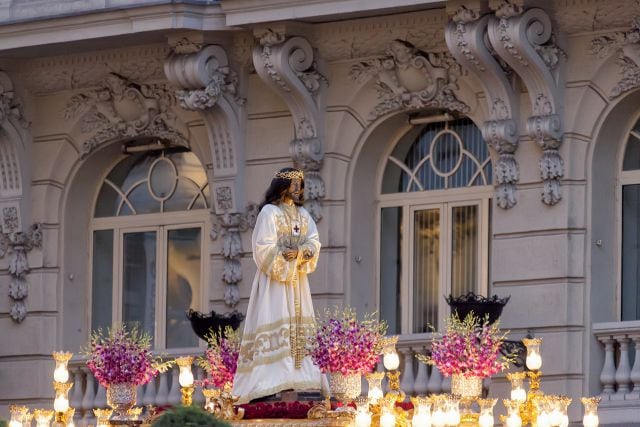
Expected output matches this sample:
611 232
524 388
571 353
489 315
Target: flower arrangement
470 347
123 356
220 361
344 344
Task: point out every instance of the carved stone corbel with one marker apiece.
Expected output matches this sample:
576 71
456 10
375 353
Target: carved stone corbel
206 83
18 244
626 45
524 40
465 36
10 105
291 67
229 226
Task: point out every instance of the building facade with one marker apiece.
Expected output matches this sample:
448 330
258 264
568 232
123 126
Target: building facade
487 146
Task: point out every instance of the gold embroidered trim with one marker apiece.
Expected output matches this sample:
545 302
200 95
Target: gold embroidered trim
307 320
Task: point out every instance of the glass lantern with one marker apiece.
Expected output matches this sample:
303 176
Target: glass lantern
517 386
390 357
590 418
375 387
452 413
43 417
186 376
438 411
61 372
555 411
26 419
363 415
534 359
421 411
543 411
17 415
61 402
513 413
387 413
102 417
486 412
563 405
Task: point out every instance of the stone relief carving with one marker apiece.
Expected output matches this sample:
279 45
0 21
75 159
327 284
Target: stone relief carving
465 36
407 78
122 109
626 45
10 105
524 40
292 68
18 244
229 226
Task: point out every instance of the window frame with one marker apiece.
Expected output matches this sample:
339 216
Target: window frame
161 223
443 199
631 177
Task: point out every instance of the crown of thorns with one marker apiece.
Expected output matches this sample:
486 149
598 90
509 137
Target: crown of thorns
290 174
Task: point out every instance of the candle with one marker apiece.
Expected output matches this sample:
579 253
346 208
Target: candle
61 404
590 420
518 394
485 420
387 419
421 419
438 418
61 374
543 419
514 421
391 361
363 419
534 361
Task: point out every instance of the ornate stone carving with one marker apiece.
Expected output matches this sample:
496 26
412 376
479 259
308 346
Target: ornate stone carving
124 110
203 76
10 105
292 69
626 45
229 226
524 40
18 244
409 79
465 36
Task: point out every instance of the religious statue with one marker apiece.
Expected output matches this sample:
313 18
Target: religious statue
280 315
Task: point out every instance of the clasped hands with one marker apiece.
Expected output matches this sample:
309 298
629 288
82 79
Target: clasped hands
292 253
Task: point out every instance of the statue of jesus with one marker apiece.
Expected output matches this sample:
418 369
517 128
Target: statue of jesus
280 315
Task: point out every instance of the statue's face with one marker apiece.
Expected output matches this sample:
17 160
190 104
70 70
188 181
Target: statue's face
295 190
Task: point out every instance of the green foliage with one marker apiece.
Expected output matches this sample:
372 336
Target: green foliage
192 416
3 423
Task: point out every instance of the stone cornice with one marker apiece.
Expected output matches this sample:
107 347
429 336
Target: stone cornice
112 23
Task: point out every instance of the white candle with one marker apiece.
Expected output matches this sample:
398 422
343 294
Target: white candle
374 395
590 420
421 419
534 361
391 361
518 394
61 404
555 417
543 420
363 419
437 418
387 419
61 374
452 417
514 421
486 420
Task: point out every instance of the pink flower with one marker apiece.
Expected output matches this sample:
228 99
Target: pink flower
343 344
220 361
470 347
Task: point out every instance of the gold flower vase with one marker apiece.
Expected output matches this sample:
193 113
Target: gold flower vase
121 397
344 388
466 386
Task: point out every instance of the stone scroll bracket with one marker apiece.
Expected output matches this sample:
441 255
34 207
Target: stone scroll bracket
292 68
524 39
18 244
207 83
465 35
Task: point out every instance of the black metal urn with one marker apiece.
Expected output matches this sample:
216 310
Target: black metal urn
214 323
480 305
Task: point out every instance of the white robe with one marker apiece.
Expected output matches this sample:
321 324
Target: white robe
267 361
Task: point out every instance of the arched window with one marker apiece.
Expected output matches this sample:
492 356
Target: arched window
147 245
630 261
434 223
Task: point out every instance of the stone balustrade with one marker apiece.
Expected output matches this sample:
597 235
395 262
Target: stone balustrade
620 374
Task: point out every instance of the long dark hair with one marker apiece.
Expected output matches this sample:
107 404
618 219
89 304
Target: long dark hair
278 186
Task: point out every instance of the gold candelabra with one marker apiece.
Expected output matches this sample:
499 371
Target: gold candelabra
185 378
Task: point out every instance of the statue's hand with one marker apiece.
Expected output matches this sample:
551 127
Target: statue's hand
307 254
290 254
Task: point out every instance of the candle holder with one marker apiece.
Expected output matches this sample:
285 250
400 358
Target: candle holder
513 413
375 387
61 402
61 372
186 379
17 415
421 411
43 417
102 417
590 418
486 418
363 415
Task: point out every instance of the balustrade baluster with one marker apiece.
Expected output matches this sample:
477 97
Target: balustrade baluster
446 385
198 397
174 391
434 385
635 372
407 380
623 373
101 398
150 393
163 390
139 395
77 392
421 385
88 400
608 374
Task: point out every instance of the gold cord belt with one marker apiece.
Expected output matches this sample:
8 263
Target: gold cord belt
296 338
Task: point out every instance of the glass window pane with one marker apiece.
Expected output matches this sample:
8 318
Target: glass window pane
108 202
464 250
631 252
390 267
102 279
185 192
142 200
183 285
632 150
139 280
426 269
